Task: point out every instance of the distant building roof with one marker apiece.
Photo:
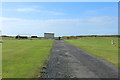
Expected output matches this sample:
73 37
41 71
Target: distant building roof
48 33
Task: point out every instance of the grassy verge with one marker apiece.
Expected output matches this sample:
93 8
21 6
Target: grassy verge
24 58
99 46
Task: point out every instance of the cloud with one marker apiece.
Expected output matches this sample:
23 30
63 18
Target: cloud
101 11
51 12
9 19
33 9
98 24
27 10
37 6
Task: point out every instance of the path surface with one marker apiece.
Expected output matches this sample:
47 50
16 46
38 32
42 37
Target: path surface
67 61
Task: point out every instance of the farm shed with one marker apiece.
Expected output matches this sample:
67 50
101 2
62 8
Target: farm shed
48 35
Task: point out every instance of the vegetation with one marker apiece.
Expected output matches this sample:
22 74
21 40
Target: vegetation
99 46
24 58
0 60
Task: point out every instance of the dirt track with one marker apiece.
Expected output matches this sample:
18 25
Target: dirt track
67 61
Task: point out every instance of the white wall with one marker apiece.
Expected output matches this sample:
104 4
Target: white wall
49 36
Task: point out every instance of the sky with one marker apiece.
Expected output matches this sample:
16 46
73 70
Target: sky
60 0
61 18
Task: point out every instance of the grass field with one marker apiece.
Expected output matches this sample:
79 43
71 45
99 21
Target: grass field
99 46
0 61
24 58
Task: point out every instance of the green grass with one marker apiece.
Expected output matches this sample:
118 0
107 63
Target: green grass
99 46
24 58
0 61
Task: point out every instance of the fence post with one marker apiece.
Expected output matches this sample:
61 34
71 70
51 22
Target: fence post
112 42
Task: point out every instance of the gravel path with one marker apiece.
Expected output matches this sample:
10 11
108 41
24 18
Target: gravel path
67 61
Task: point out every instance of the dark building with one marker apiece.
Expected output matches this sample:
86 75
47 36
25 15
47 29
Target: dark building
21 37
34 37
